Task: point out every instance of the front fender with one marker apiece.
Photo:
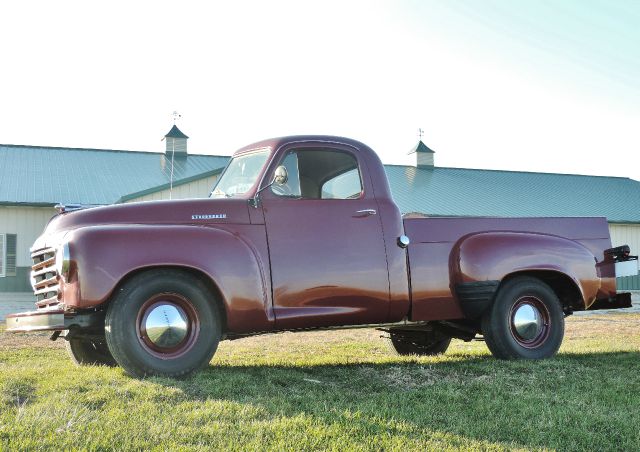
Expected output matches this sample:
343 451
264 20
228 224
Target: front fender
491 256
103 256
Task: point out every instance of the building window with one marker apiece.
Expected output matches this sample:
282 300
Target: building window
8 245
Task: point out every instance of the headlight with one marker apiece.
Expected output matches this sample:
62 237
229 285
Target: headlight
63 261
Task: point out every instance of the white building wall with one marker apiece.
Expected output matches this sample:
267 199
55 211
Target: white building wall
27 223
197 189
626 234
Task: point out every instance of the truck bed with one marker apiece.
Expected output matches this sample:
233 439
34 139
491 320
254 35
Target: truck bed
431 254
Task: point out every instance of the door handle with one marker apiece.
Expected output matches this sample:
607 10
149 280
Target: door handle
365 212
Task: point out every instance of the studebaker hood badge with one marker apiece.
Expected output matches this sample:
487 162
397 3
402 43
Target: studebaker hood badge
209 216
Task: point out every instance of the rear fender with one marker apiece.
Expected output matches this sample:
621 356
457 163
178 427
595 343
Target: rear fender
479 262
103 256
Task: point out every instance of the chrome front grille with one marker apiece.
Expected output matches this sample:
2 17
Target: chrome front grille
44 278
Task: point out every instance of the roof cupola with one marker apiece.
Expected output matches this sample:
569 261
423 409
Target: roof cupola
176 143
424 155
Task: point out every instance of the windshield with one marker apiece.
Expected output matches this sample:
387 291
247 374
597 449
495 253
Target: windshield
240 175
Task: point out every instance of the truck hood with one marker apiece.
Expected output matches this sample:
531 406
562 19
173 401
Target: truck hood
199 212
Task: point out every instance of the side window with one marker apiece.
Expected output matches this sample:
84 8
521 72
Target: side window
322 174
344 186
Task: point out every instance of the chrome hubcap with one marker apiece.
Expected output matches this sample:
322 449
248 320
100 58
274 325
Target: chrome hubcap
166 326
527 322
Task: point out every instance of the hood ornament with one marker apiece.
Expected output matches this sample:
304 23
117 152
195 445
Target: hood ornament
62 208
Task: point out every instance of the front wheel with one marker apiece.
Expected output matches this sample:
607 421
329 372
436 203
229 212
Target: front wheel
525 322
163 323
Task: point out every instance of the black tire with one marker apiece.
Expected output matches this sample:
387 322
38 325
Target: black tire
416 343
85 352
150 349
526 321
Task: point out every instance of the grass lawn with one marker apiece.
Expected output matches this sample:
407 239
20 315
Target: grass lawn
334 390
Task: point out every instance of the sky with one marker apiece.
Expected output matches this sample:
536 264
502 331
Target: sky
551 86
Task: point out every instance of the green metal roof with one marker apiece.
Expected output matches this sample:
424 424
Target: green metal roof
44 176
34 175
471 192
175 133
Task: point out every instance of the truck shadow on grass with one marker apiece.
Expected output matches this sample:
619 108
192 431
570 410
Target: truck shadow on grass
572 402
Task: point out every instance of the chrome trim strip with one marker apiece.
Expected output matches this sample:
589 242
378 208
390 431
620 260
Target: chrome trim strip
55 288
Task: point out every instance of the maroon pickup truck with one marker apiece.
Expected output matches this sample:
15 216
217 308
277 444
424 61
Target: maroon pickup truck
302 233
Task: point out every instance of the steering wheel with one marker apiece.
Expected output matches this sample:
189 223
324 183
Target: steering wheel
282 190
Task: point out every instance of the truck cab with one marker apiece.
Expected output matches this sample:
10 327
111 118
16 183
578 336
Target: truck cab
324 224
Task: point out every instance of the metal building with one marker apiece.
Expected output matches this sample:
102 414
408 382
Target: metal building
33 179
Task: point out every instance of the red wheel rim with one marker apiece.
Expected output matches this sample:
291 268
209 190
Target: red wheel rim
167 325
529 322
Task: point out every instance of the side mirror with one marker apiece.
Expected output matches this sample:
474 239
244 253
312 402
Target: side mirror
281 176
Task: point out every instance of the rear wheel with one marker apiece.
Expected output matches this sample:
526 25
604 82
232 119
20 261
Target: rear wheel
526 321
164 323
85 352
417 343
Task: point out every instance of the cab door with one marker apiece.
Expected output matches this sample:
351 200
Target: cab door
328 260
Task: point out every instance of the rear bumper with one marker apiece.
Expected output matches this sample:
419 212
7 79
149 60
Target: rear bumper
42 320
620 301
53 320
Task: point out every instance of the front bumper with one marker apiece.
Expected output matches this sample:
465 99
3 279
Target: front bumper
41 320
53 320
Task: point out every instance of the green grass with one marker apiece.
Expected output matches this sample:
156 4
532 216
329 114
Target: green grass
334 390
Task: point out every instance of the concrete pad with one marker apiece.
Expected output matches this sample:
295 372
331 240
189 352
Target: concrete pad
11 302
